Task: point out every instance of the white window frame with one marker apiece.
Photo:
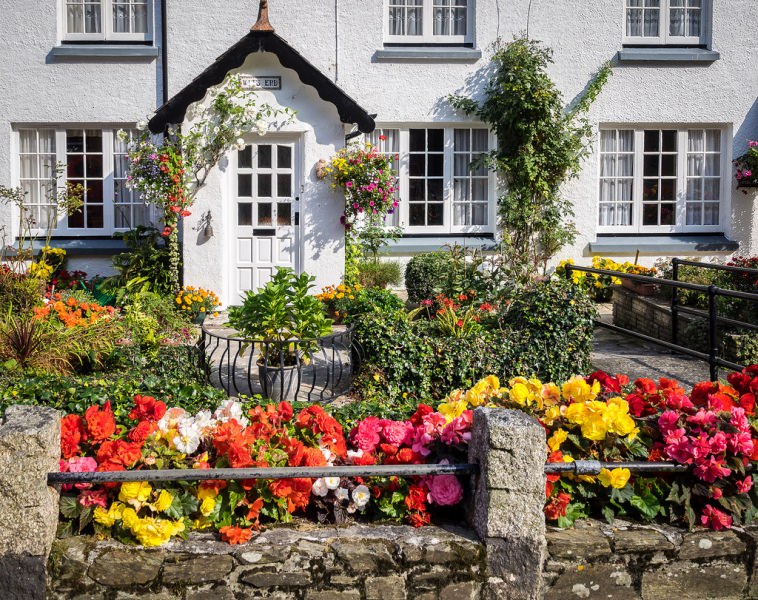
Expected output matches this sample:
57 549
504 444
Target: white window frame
725 192
108 133
107 33
427 36
448 180
663 38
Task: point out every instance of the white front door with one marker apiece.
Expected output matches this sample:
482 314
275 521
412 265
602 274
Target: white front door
264 211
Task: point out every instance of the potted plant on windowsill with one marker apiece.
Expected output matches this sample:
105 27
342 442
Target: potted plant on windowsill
284 321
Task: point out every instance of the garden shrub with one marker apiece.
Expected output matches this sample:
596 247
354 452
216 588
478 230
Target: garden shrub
18 292
545 331
375 274
423 274
144 267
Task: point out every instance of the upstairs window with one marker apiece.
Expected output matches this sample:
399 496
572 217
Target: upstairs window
107 20
429 21
667 22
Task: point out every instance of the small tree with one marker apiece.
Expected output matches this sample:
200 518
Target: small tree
541 144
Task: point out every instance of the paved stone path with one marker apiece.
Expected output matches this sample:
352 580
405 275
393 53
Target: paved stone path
617 353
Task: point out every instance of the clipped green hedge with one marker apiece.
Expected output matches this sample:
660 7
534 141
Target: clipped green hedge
423 274
545 332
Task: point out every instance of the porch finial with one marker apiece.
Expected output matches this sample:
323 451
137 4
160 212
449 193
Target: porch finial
262 24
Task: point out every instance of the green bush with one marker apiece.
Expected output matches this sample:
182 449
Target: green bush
19 292
151 321
370 300
546 332
423 274
379 274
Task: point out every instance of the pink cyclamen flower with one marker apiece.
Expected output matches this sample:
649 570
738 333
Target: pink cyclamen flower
444 490
715 519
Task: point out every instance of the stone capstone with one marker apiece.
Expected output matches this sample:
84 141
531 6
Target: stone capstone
123 568
194 569
578 545
640 540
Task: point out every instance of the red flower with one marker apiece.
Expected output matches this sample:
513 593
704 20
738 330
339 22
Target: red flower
72 434
147 407
419 519
296 491
557 506
119 452
100 423
418 417
313 457
416 498
239 456
236 535
142 431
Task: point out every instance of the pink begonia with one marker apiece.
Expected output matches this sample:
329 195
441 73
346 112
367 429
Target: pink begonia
458 430
397 432
744 486
93 498
703 418
747 173
711 470
679 402
366 434
740 443
715 519
421 441
739 419
668 422
752 143
444 490
717 442
77 464
434 423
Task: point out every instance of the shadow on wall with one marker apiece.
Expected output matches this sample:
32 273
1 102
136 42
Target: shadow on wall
474 87
745 205
317 237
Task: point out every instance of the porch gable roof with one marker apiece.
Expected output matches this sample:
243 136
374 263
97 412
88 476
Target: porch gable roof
174 110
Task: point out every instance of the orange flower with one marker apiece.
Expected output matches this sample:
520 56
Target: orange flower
100 423
236 535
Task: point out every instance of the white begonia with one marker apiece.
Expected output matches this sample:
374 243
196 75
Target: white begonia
187 440
122 135
361 496
231 409
319 488
353 454
142 124
204 422
342 494
171 419
329 456
261 126
332 482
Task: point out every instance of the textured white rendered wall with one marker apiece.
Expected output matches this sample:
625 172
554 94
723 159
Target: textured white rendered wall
583 35
40 89
209 263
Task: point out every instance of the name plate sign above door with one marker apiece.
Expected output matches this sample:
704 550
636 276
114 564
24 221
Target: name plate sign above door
261 82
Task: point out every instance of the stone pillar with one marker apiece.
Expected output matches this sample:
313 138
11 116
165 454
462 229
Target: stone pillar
509 496
30 439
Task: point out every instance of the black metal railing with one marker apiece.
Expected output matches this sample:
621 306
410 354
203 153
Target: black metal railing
577 467
314 370
712 356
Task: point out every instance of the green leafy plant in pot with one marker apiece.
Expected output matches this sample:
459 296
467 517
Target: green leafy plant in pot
284 321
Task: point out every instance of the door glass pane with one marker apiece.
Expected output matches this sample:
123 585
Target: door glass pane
245 214
264 156
284 157
264 213
284 185
264 185
245 158
245 185
284 214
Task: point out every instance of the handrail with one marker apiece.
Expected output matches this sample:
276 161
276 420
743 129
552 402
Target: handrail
717 266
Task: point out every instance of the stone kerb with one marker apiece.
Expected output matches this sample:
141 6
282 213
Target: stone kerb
508 499
29 450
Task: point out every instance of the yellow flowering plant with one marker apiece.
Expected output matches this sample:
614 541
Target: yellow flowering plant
197 301
338 299
600 286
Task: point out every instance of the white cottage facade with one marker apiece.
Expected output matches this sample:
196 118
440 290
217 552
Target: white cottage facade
680 106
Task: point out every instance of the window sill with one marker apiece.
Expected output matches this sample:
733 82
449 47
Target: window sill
83 247
662 244
419 245
427 54
113 51
696 55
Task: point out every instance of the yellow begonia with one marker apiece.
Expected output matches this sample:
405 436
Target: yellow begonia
597 419
110 516
135 492
578 390
617 478
558 437
155 532
551 394
164 501
129 517
207 506
452 410
551 414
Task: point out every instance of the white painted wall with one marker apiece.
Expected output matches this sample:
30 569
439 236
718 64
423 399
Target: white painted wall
340 37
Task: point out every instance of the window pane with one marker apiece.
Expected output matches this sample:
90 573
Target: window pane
75 18
284 214
245 185
284 185
436 214
92 17
264 156
284 157
245 158
265 213
264 185
436 140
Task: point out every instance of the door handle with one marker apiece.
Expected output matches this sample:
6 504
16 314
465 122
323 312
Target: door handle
297 218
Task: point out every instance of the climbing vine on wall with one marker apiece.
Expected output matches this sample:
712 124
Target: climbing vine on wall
541 145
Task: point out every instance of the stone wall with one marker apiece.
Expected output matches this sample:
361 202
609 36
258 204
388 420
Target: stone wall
626 562
360 562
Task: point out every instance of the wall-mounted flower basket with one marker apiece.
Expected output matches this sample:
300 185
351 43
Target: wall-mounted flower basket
746 167
643 289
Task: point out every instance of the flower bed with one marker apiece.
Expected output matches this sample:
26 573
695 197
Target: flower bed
155 436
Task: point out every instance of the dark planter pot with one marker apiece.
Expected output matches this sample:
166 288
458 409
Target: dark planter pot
279 383
199 318
643 289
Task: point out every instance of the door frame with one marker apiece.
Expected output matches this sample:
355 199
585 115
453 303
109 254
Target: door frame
230 204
